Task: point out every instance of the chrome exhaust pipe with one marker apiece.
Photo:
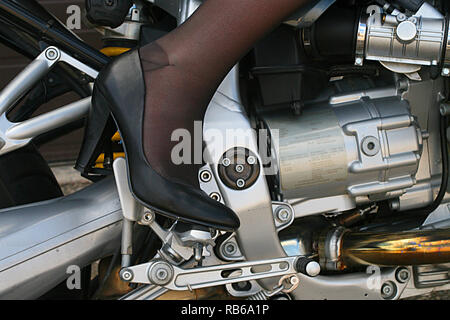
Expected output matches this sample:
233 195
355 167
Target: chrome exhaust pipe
341 249
42 243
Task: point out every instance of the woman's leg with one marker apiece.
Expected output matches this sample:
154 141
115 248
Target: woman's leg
184 68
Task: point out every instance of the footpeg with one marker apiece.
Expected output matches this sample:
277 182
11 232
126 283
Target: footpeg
171 277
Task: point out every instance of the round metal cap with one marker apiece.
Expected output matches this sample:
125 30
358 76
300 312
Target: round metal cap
406 31
313 269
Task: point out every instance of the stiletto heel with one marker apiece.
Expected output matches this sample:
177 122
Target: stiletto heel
120 88
100 128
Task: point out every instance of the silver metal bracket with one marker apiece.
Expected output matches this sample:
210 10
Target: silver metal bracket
17 135
177 247
166 275
208 184
283 215
229 249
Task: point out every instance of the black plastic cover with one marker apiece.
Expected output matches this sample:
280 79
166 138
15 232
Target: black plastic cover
109 13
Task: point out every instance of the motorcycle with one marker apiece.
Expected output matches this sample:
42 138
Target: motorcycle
335 160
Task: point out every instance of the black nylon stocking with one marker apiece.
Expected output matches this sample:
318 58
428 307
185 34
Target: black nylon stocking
184 68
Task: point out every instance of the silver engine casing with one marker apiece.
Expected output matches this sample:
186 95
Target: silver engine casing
359 148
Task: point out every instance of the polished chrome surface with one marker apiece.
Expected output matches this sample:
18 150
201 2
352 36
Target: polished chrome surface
341 249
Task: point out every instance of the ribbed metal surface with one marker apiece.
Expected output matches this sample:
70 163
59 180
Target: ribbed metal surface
431 275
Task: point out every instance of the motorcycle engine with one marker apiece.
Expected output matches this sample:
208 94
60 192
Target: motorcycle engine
368 149
352 127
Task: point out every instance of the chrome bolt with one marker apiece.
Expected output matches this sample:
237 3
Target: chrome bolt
149 216
402 275
205 176
239 168
251 160
388 290
240 183
359 61
226 162
126 275
215 196
445 71
230 249
162 274
401 17
283 214
51 54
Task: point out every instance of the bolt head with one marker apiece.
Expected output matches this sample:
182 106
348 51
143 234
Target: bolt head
148 217
402 275
226 162
239 168
215 196
446 72
126 275
359 61
283 215
251 160
401 17
51 54
160 273
230 248
205 176
388 290
240 183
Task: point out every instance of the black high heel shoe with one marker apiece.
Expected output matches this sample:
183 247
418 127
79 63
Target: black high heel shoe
120 89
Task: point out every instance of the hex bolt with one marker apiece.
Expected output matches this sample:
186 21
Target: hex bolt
283 214
401 17
226 162
205 176
230 249
239 168
51 54
388 290
240 183
251 160
149 216
402 275
126 275
215 196
162 274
